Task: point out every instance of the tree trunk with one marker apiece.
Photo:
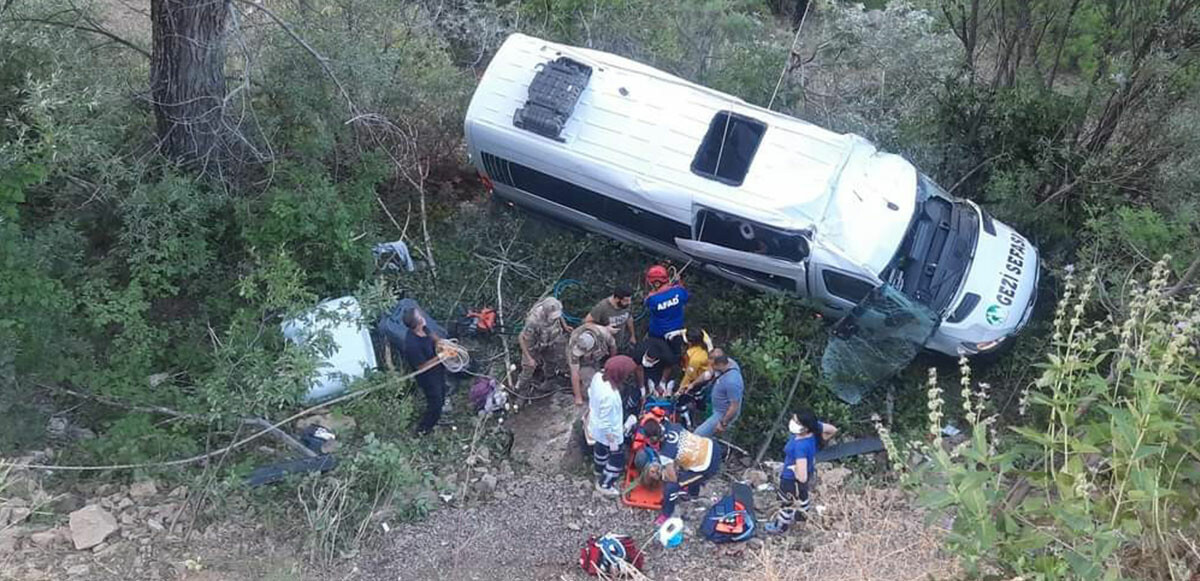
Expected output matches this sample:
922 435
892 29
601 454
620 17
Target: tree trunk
187 78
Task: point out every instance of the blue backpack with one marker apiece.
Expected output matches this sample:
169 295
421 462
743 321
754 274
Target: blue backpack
731 519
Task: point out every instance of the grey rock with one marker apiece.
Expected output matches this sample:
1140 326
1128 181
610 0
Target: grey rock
755 477
78 570
20 486
487 484
45 539
90 525
10 540
143 489
835 477
18 514
66 503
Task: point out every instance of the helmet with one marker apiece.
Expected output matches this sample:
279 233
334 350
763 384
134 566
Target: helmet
612 553
657 275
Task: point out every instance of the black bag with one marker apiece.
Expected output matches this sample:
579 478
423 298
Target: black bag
732 518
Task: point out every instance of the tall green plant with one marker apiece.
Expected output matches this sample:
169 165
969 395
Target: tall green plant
1100 483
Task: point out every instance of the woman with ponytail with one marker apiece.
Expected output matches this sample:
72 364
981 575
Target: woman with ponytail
799 468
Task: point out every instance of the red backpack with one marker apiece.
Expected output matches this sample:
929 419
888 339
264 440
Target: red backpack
607 554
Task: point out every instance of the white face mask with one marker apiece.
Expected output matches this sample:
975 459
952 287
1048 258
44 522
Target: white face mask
795 427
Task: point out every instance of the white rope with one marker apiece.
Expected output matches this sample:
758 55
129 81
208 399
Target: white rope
454 357
788 61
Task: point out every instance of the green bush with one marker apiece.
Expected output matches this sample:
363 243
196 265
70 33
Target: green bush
320 224
1099 481
782 345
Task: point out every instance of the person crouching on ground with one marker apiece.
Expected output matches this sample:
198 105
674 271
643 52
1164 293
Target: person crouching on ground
589 346
656 369
728 388
697 372
543 342
605 423
799 468
420 348
683 462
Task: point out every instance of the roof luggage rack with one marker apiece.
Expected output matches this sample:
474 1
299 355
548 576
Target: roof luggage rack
553 93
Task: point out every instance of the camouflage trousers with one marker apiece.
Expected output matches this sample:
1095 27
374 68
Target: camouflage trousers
550 360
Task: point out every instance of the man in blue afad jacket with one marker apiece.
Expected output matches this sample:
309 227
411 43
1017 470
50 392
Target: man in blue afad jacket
666 304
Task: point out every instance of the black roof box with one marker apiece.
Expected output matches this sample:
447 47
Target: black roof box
553 93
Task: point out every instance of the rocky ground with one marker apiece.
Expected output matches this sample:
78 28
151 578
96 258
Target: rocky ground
124 532
526 517
544 514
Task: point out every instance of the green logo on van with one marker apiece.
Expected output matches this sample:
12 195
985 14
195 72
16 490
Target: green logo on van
996 315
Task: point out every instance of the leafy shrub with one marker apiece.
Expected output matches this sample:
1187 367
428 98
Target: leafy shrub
780 347
1098 483
383 479
320 224
139 437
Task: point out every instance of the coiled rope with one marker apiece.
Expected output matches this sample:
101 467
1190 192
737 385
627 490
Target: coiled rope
454 357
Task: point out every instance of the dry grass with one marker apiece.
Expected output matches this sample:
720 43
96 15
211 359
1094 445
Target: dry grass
865 534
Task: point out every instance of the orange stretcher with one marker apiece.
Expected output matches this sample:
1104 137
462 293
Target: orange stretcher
641 494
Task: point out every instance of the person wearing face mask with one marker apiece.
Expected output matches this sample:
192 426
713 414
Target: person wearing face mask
799 468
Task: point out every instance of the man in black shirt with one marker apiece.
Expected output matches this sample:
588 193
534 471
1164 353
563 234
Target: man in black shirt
420 347
657 362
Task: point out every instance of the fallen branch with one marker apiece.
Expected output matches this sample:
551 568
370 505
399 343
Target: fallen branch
564 270
480 422
277 433
237 444
762 450
1184 281
732 446
510 385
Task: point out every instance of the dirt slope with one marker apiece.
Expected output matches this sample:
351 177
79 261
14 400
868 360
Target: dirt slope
546 515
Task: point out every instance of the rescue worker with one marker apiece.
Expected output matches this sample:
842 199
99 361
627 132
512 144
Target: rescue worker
420 349
799 468
587 349
683 462
613 312
665 305
543 341
728 389
656 367
605 423
696 363
697 376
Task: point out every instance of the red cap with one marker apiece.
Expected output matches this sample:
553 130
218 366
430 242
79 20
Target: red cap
656 275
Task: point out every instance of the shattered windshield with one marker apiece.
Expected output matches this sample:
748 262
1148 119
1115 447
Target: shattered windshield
879 337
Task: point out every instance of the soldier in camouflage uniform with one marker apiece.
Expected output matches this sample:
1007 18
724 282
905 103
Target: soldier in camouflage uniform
543 342
589 346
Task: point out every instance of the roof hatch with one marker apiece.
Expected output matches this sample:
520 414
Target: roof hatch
553 93
728 148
